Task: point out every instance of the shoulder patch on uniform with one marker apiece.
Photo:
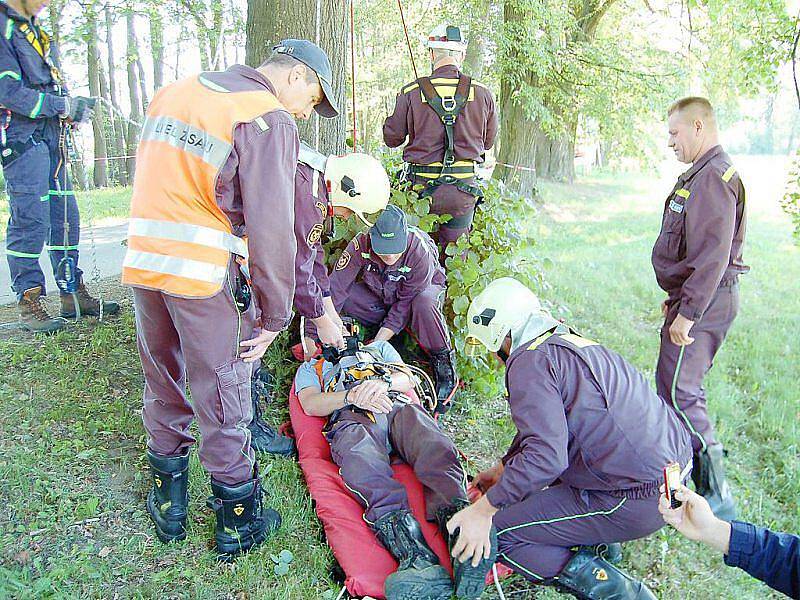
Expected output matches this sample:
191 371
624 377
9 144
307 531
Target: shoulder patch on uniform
580 342
343 261
675 206
262 124
315 234
538 341
408 87
321 208
726 176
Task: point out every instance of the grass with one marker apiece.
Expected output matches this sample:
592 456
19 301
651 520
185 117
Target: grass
73 474
94 206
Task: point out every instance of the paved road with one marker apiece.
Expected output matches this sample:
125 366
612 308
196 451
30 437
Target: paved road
109 253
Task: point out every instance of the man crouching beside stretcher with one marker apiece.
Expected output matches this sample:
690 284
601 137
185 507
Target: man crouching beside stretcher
367 394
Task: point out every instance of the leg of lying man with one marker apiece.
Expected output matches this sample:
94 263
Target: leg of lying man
535 537
360 448
418 440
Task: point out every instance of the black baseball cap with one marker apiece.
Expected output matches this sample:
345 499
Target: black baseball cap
389 235
315 58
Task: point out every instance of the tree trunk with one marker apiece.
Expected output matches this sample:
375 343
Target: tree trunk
157 47
100 176
132 134
270 21
117 125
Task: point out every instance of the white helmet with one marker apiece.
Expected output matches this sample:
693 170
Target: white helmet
447 37
358 182
503 307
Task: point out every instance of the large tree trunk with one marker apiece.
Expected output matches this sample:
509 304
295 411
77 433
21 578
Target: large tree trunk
270 21
132 134
100 176
157 46
117 124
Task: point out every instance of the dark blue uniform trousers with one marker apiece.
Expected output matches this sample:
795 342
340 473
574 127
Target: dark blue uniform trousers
37 200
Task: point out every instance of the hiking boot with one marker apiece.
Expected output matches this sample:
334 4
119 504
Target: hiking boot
242 520
469 581
168 500
708 475
419 575
33 316
589 577
443 363
611 552
89 306
263 438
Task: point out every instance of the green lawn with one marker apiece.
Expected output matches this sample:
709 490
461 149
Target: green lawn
94 206
73 474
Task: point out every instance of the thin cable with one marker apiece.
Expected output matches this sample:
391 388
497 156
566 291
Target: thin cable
497 582
408 41
353 65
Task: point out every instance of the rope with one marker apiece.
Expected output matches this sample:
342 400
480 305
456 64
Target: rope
408 41
516 167
497 582
353 66
316 41
341 592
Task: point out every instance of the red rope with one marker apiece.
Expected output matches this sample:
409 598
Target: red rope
408 42
353 67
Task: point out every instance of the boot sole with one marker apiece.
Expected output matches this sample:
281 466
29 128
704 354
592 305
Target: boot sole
30 329
472 581
432 591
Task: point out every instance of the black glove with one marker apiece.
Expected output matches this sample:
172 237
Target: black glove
79 109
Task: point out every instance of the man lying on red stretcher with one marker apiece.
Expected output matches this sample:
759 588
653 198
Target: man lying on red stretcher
367 395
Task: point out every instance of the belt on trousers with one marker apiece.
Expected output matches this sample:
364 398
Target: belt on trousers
13 150
651 488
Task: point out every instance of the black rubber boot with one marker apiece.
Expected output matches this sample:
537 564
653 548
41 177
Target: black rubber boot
589 577
444 374
168 501
263 438
611 552
708 474
242 520
419 575
469 581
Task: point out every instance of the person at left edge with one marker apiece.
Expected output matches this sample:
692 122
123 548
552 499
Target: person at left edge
216 162
34 107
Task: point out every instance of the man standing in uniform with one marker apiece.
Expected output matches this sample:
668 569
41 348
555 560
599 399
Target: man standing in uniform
34 112
697 260
391 277
450 122
216 162
587 460
359 185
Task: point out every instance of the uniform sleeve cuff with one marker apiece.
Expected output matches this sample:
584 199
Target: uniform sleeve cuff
58 104
497 496
690 312
741 544
274 324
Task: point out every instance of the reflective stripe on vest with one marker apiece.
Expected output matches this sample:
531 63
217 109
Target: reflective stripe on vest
179 239
192 234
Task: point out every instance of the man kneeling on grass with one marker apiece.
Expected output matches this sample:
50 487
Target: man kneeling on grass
364 392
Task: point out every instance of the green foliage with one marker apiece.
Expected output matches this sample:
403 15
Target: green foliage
791 199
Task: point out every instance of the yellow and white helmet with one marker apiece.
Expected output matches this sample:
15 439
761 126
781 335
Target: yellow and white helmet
359 182
503 307
447 37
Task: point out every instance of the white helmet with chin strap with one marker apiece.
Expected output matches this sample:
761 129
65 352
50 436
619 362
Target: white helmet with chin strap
504 307
447 37
357 182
